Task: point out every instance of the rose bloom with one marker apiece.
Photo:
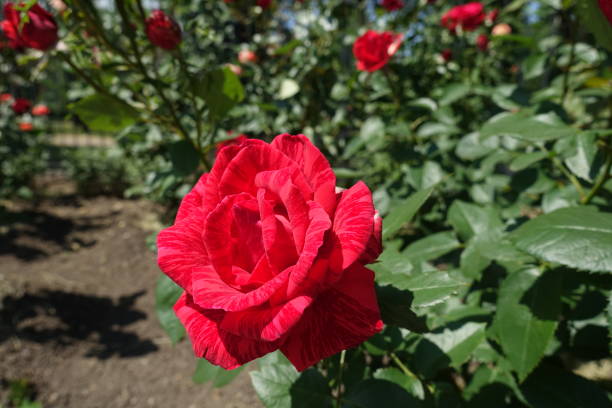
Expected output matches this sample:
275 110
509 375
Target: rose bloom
501 29
238 140
482 42
163 31
468 16
21 106
606 9
5 97
40 32
392 5
40 110
25 126
373 49
270 255
236 69
447 55
247 56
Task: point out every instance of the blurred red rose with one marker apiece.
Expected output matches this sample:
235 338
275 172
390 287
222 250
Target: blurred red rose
270 256
241 138
482 42
163 31
40 32
25 126
606 9
492 16
501 29
264 3
21 106
392 5
5 97
247 56
467 16
373 49
40 110
447 55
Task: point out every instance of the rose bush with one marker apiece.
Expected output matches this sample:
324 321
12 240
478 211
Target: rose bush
374 49
38 32
271 257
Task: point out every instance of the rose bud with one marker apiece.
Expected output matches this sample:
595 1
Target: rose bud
374 49
392 5
467 16
163 31
270 257
492 16
5 97
482 42
40 110
25 126
236 69
40 32
447 55
247 56
606 9
501 29
21 106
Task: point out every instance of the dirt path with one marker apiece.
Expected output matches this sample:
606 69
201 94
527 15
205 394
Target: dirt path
77 317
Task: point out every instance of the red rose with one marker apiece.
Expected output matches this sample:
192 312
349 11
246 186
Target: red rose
264 4
468 16
606 9
482 42
40 32
447 54
247 56
392 5
21 105
163 31
271 257
25 126
5 97
40 110
492 16
238 140
373 49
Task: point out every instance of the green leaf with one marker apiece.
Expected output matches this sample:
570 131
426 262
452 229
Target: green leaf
471 219
430 288
526 318
185 159
166 294
378 393
578 237
221 90
394 375
534 66
102 113
453 93
594 20
281 386
395 309
403 212
583 162
220 377
525 160
552 387
431 247
523 126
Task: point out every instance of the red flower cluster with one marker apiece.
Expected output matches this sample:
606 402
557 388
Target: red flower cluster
373 49
40 32
21 106
271 256
467 16
163 31
392 5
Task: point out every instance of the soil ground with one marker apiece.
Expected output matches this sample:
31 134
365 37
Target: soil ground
77 316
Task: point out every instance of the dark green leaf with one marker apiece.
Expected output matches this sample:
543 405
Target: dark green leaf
184 157
595 21
220 377
395 309
471 219
102 113
579 237
403 212
221 90
530 128
379 393
409 383
431 247
166 294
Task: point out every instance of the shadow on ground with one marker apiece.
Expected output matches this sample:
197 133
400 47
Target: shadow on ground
63 318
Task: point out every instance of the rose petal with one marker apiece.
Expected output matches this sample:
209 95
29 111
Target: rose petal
374 246
338 319
314 165
192 200
267 323
217 346
353 226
